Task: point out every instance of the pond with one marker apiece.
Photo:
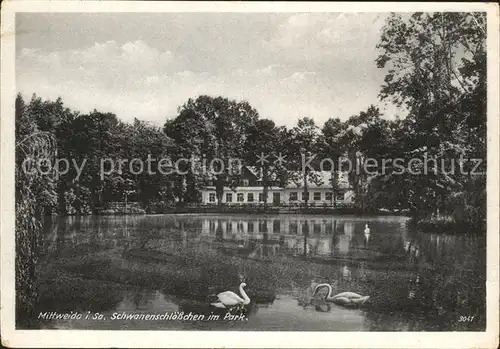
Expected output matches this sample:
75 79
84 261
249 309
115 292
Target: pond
106 269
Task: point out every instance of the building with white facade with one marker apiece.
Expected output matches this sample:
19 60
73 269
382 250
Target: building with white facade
250 191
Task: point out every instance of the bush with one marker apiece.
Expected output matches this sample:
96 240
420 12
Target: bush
448 225
158 207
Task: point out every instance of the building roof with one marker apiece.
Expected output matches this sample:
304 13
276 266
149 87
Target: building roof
317 179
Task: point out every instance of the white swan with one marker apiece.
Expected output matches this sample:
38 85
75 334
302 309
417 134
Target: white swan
344 298
367 230
230 299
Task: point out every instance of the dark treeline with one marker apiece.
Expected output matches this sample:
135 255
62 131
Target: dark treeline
210 128
435 67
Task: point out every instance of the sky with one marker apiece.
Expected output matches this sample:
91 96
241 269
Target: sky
146 65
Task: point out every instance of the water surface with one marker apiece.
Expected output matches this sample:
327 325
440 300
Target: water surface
157 264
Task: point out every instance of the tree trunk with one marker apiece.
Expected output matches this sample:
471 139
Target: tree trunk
94 198
265 183
333 179
219 190
306 193
61 199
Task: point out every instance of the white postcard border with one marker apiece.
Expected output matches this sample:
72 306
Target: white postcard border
247 339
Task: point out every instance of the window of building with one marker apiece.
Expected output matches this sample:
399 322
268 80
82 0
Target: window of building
317 196
245 182
261 197
229 227
293 227
293 196
240 197
250 197
262 227
250 227
276 226
229 197
317 228
328 196
211 197
276 198
305 196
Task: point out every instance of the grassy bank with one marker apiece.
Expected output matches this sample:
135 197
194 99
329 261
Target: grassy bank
135 208
279 210
251 210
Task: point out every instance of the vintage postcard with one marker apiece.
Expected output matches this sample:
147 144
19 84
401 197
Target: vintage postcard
250 174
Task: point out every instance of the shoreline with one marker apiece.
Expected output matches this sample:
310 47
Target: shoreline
246 210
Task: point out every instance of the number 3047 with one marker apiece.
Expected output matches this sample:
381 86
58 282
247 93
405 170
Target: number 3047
466 319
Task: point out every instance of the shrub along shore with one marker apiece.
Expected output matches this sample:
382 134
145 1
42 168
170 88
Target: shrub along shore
448 225
135 209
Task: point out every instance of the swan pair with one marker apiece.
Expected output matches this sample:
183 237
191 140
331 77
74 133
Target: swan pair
348 299
230 299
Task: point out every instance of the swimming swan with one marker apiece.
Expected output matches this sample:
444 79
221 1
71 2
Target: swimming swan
344 298
367 230
230 299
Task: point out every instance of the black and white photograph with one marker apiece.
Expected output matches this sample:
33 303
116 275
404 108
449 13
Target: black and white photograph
238 170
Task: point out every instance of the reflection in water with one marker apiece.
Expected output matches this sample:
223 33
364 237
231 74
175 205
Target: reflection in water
415 281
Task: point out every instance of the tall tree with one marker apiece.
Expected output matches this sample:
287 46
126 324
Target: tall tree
331 147
263 146
95 139
150 145
303 148
357 141
436 68
216 128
